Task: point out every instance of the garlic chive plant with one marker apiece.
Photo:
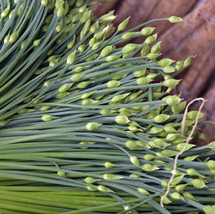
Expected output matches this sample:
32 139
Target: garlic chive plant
86 127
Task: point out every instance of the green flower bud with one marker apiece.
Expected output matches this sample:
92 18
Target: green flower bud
161 118
111 177
109 17
181 187
135 161
164 183
158 143
166 201
70 45
86 101
47 117
155 130
165 62
171 83
149 40
45 108
5 12
149 167
209 209
144 50
149 157
123 25
143 81
94 27
146 31
124 111
189 196
105 111
156 48
71 58
44 2
168 69
79 69
152 56
106 51
97 45
37 42
198 183
212 145
188 61
176 196
175 19
6 39
91 188
14 36
113 84
172 136
46 84
61 173
65 87
142 144
122 119
112 58
143 191
211 164
119 97
82 9
60 12
85 16
62 95
129 35
169 153
172 100
140 73
192 115
177 180
134 176
82 48
76 77
131 145
109 165
129 48
193 172
180 146
90 180
190 158
179 65
102 188
133 129
92 126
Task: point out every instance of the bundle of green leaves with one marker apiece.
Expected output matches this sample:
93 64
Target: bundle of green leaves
86 127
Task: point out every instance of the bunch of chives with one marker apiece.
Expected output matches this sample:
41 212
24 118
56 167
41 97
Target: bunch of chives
86 127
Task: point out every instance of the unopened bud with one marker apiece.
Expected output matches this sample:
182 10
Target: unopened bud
47 117
129 35
106 51
149 40
92 126
161 118
123 25
90 180
134 160
71 58
144 50
146 31
175 19
111 177
168 69
198 183
122 119
165 62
